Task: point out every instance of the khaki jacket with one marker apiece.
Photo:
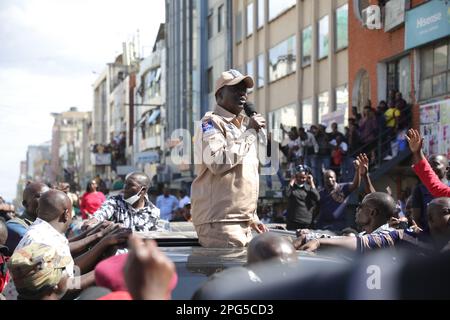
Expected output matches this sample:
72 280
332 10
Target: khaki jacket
227 185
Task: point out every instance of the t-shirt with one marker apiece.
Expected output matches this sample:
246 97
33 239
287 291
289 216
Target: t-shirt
390 115
332 205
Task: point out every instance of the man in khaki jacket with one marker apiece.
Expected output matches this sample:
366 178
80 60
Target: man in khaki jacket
225 193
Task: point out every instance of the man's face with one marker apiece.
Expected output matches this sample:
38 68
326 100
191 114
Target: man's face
363 216
330 179
31 199
131 188
438 221
300 178
234 97
439 166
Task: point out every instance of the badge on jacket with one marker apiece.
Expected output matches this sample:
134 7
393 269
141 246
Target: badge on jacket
208 129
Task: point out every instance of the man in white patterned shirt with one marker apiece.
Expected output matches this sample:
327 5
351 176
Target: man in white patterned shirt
133 209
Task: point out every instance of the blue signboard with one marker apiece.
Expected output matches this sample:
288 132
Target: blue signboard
426 23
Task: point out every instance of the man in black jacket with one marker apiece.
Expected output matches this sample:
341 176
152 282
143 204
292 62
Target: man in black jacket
303 199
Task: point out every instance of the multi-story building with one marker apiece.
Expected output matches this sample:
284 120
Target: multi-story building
220 45
113 116
403 46
187 86
296 50
38 162
150 99
21 183
70 150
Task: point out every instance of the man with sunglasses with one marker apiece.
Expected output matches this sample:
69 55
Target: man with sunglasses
225 193
302 199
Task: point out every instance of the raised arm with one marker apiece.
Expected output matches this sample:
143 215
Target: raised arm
423 169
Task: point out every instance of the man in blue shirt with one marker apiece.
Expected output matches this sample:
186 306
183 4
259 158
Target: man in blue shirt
333 199
167 204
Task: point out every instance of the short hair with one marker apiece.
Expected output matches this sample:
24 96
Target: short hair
139 177
52 203
383 202
268 246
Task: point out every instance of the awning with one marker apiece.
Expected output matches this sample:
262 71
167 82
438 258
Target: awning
155 115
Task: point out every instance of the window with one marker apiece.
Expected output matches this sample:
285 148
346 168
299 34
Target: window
261 71
221 19
306 46
282 59
323 37
238 27
250 19
210 80
435 71
286 116
342 104
250 71
307 112
277 7
342 27
152 83
210 26
261 13
324 105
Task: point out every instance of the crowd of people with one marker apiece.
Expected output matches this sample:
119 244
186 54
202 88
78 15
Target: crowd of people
322 149
45 255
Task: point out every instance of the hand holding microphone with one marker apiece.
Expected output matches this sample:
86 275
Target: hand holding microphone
256 121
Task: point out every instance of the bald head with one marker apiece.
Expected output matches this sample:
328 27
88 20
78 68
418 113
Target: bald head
141 178
31 195
439 164
383 202
269 246
53 204
439 219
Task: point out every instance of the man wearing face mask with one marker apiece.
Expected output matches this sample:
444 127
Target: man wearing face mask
133 209
303 199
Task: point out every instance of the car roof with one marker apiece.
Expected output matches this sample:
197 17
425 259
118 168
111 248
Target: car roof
195 264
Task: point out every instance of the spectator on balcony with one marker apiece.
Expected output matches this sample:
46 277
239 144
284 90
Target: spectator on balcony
321 160
368 127
402 106
91 200
391 97
339 155
392 116
309 146
334 132
167 204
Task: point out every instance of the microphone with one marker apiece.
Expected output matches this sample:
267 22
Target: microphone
250 111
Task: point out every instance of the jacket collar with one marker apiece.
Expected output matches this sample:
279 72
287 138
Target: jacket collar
226 115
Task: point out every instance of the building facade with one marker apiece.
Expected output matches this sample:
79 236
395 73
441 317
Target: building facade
150 97
408 51
297 53
70 150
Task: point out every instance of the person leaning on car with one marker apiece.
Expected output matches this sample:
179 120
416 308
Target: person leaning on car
225 193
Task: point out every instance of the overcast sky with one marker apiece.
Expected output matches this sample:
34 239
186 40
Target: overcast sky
51 53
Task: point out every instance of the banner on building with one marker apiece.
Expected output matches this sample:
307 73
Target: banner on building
435 127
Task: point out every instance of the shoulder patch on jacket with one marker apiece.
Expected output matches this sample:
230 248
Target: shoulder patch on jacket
208 128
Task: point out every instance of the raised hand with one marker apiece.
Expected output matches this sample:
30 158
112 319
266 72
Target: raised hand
148 272
415 140
363 164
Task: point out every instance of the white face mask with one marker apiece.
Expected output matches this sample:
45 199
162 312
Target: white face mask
133 199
